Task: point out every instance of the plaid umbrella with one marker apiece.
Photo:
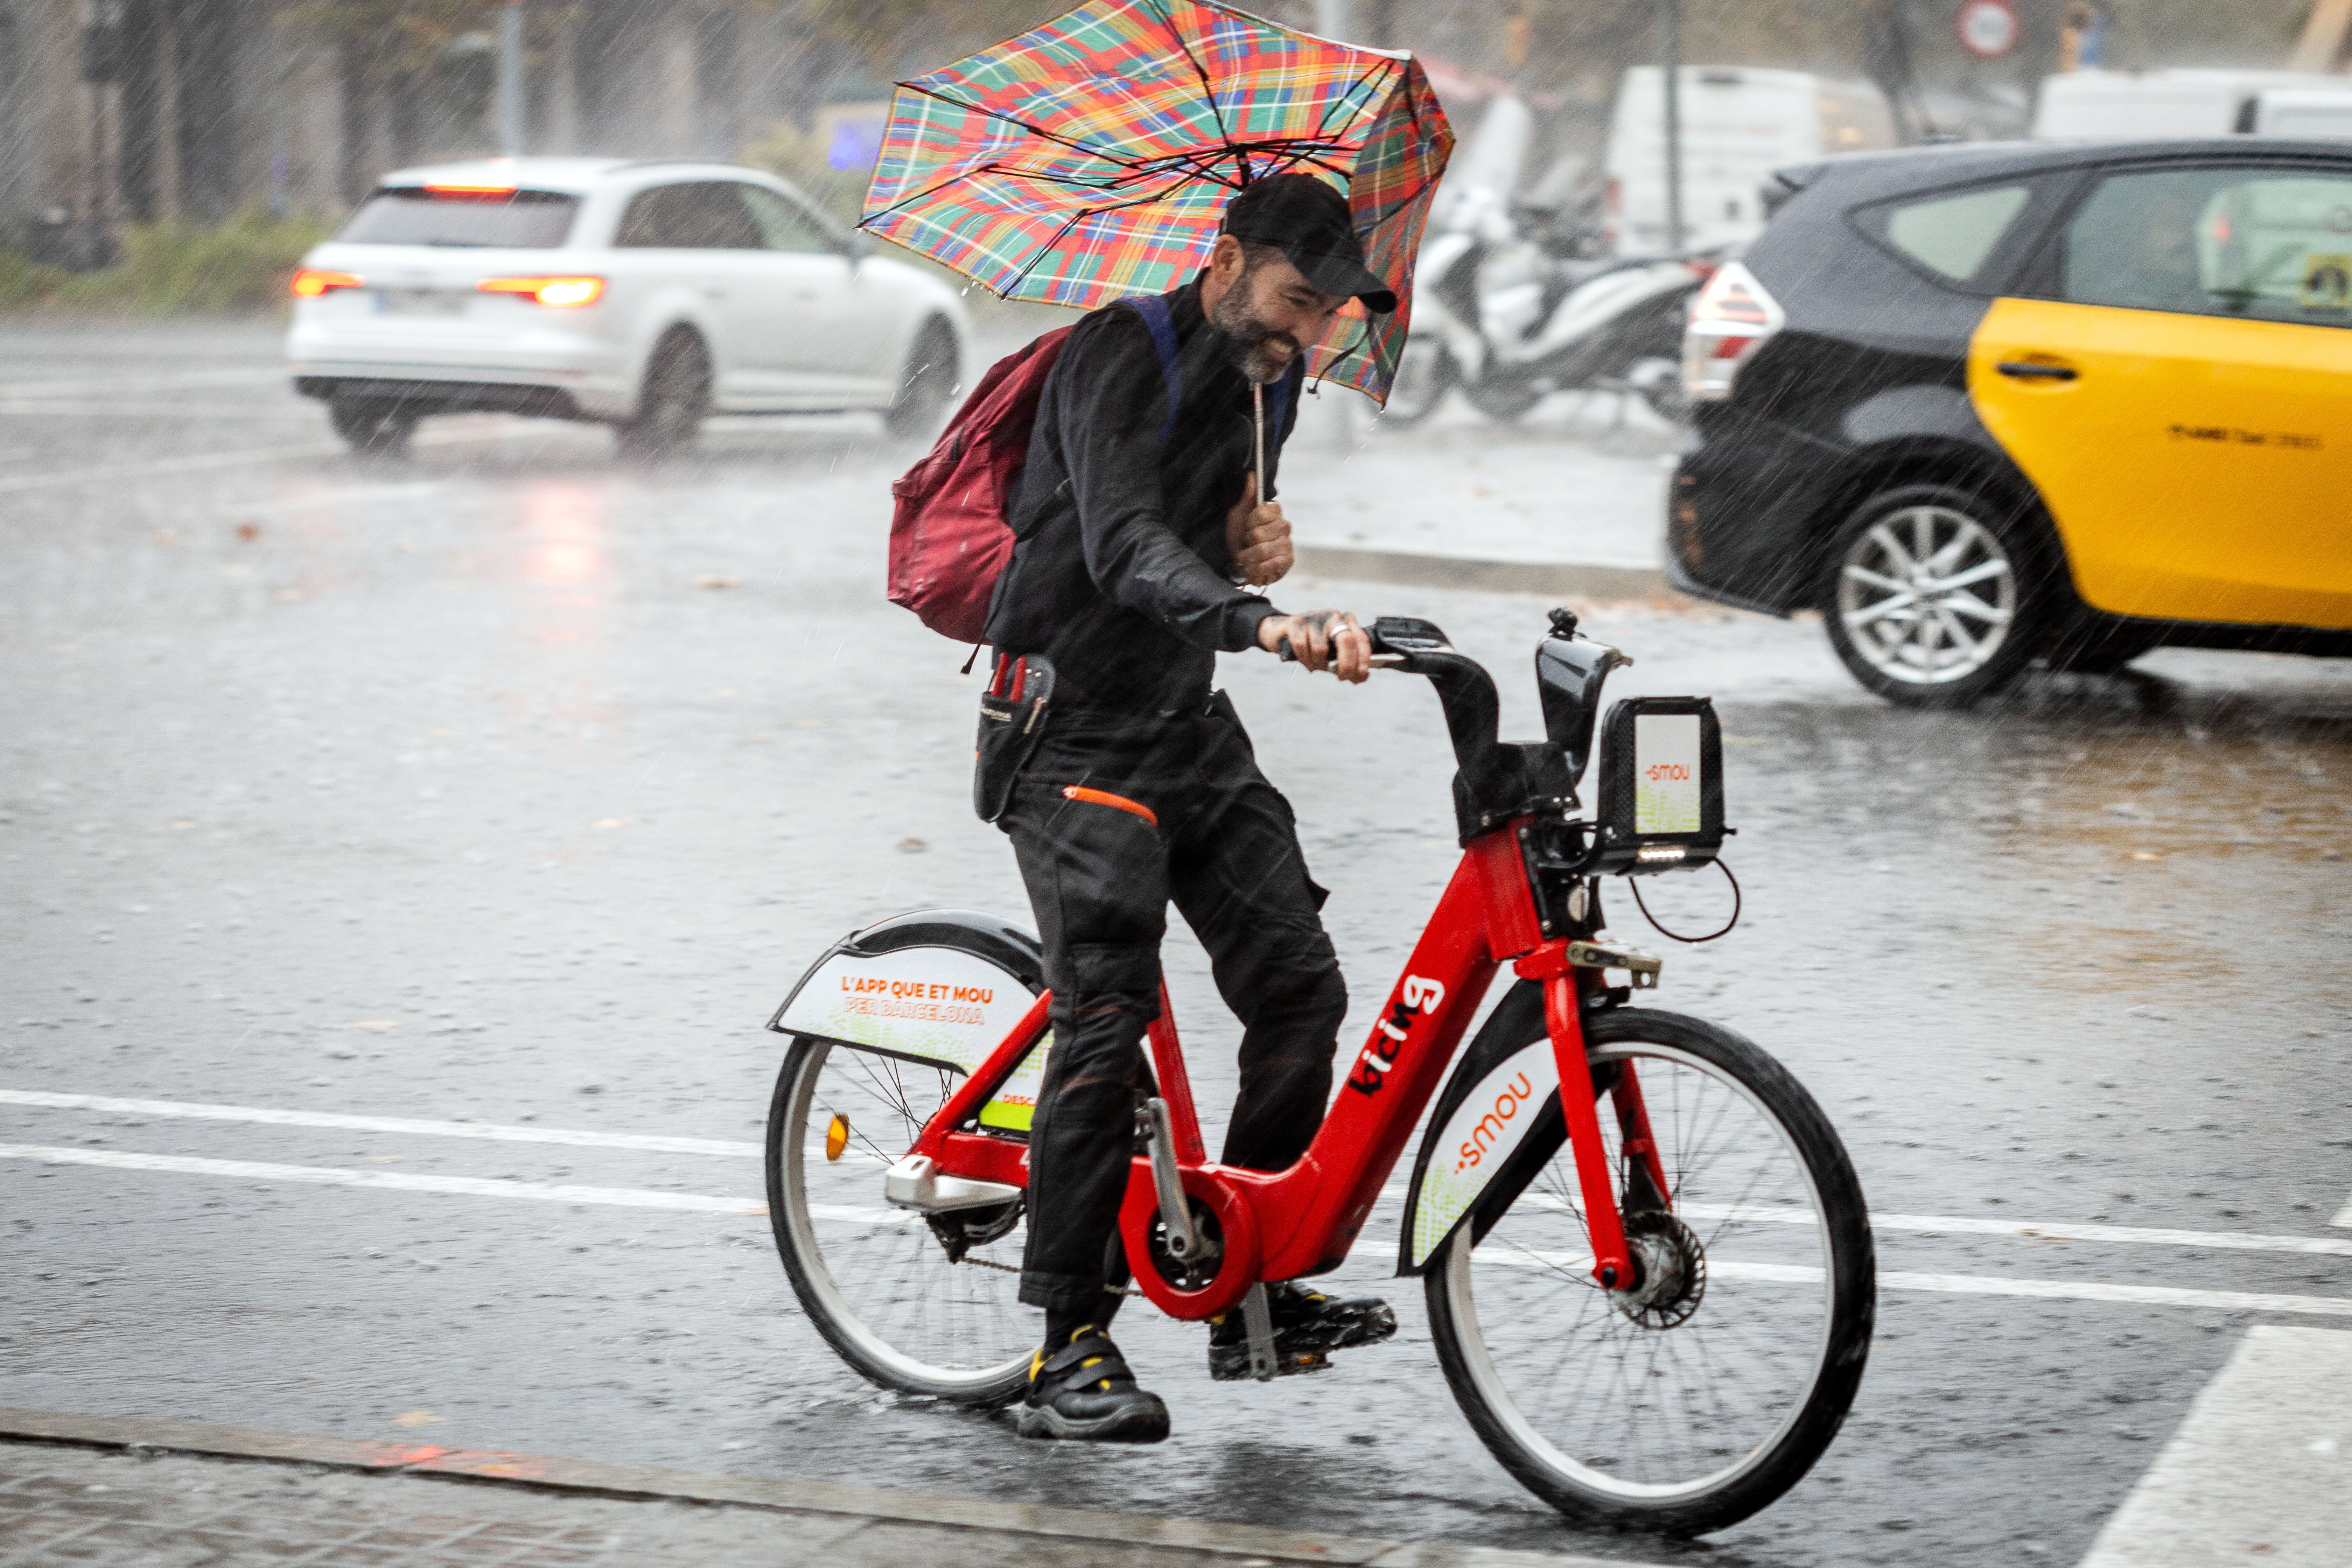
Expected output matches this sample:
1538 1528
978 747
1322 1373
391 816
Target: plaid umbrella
1090 159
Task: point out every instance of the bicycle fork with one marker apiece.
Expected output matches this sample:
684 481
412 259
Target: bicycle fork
1612 1265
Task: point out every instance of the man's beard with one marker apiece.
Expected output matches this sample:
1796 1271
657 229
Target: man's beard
1247 339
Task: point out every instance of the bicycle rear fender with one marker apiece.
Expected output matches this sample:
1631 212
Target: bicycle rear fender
1495 1126
937 987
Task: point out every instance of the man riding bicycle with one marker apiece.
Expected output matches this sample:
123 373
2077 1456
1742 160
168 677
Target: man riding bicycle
1142 530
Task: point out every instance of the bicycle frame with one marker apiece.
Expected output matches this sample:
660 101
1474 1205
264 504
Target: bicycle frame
1303 1220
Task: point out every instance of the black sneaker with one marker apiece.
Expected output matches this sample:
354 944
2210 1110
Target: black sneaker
1083 1392
1307 1325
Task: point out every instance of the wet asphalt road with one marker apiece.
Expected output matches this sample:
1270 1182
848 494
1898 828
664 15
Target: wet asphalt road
507 783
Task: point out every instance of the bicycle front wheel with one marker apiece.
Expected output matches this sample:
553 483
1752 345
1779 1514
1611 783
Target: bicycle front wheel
1699 1396
923 1304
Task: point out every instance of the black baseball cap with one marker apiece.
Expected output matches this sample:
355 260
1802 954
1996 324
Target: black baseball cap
1309 222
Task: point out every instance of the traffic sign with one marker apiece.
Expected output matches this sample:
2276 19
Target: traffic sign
1988 29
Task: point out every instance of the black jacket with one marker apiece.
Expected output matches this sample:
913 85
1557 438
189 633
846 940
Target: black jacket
1121 577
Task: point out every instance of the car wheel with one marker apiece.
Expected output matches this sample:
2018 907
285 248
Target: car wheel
1940 595
1503 399
676 398
374 426
1425 373
928 386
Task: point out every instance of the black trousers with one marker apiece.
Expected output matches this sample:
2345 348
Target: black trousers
1190 818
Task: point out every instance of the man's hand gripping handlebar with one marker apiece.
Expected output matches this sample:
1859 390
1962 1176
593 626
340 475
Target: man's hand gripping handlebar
1326 639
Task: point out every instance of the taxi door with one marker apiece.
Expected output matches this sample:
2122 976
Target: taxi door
2183 401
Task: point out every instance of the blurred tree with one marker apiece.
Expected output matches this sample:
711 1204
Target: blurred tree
383 50
2199 32
897 38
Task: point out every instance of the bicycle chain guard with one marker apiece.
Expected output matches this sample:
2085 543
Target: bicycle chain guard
1141 1229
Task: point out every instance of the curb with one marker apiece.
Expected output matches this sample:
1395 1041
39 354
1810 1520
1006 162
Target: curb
1580 579
655 1483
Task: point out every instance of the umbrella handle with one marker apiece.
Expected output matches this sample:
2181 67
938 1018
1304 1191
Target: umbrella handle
1257 420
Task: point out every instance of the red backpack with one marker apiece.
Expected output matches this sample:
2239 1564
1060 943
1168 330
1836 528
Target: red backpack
951 534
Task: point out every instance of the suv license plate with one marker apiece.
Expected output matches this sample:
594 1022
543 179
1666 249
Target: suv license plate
419 302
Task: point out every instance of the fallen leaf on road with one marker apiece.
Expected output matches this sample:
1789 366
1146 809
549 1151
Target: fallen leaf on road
416 1418
718 582
379 1025
911 846
611 822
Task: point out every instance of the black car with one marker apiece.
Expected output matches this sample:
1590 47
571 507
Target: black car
1992 405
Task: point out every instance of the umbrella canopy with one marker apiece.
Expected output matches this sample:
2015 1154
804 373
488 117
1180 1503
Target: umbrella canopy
1091 158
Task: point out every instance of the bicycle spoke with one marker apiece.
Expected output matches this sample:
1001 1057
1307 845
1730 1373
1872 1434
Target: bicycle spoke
1636 1403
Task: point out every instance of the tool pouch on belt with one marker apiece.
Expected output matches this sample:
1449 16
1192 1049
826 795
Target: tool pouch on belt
1011 722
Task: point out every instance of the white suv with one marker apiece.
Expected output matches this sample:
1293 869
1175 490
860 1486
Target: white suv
644 294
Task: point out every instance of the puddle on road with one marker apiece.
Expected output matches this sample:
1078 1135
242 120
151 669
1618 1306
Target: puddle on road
2124 833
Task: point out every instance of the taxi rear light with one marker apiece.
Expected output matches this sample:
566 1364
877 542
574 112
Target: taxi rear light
1733 317
566 293
310 283
485 192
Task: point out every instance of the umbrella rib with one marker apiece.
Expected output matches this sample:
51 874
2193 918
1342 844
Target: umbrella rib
1076 218
1207 90
993 166
1323 126
1021 125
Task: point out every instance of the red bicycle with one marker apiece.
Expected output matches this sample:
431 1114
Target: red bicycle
1647 1259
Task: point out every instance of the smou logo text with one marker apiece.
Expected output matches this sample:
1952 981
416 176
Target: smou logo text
1509 1100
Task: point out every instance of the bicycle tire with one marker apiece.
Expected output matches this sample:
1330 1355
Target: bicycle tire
1804 1432
990 1384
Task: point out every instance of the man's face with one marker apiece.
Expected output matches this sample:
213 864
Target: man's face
1270 315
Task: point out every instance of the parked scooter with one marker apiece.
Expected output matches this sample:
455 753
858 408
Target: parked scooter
1508 322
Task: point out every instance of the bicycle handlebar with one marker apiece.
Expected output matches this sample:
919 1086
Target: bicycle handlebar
1496 780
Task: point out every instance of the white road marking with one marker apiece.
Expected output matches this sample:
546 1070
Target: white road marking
48 407
2036 1230
2023 1229
2030 1230
17 483
492 1130
2260 1470
1972 1285
149 380
2344 1216
638 1197
459 1186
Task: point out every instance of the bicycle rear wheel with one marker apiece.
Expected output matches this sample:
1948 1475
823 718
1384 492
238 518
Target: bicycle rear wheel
1700 1398
921 1304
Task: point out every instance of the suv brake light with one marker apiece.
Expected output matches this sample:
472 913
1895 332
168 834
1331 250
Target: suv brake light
567 292
1729 321
310 283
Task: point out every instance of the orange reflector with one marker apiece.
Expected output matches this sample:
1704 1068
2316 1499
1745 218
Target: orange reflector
310 282
836 1138
558 291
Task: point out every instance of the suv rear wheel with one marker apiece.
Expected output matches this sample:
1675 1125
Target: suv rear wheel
927 386
376 426
676 397
1940 595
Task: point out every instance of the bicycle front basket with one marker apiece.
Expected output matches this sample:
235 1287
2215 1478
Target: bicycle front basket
1661 785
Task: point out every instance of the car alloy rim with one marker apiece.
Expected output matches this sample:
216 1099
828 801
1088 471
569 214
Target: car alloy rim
1928 596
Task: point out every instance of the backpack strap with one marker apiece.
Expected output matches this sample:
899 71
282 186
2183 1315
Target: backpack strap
1153 309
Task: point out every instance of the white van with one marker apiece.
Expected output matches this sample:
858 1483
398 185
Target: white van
2132 105
1739 124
